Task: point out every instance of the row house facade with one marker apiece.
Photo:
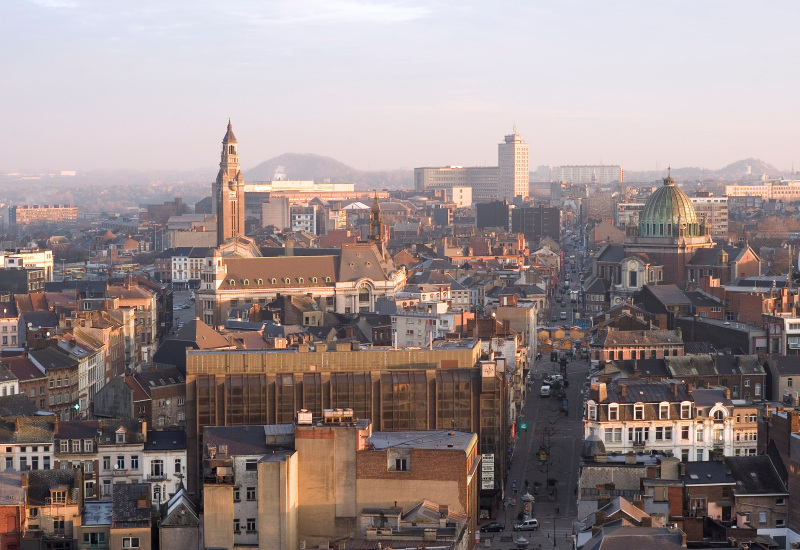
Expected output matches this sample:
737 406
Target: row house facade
610 345
62 374
670 417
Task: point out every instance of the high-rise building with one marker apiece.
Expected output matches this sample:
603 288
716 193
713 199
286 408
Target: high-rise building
505 181
536 223
229 191
513 177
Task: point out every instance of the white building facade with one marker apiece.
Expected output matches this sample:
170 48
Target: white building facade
640 416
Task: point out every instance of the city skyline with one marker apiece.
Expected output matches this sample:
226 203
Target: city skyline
391 85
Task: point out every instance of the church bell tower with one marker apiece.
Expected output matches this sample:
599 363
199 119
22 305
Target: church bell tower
229 191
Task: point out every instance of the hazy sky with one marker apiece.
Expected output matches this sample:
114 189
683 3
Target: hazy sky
96 84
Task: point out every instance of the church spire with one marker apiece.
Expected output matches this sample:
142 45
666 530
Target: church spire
229 137
375 222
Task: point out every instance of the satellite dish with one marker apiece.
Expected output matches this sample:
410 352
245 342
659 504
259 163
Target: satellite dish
167 401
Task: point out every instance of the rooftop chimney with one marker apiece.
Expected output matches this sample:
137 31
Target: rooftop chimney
624 389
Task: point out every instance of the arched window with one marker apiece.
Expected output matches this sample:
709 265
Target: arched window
718 415
232 282
273 280
246 282
286 280
313 279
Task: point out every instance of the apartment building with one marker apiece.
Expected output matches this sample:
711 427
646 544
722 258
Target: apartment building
672 417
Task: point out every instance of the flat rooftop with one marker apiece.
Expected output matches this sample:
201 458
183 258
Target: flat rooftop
427 439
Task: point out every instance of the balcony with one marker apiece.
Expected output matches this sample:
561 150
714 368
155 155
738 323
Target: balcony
118 472
157 477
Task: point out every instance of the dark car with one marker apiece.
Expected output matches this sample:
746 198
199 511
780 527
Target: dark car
494 527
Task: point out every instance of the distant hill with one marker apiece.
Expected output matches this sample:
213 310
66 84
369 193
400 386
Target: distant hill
319 168
733 172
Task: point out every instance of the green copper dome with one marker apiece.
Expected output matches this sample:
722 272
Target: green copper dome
667 211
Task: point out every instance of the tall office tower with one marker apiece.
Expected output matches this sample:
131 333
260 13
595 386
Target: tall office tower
229 191
514 179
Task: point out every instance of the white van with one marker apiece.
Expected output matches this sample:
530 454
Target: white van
563 315
544 391
527 525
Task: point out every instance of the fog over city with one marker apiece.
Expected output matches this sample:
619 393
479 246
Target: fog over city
97 85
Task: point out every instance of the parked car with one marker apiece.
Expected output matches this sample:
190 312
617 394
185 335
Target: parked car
527 525
493 527
544 391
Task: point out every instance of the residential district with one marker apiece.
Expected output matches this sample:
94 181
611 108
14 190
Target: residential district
487 359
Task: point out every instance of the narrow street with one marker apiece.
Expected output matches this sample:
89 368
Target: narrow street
560 435
563 436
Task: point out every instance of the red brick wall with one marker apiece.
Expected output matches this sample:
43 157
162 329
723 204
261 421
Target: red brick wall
10 526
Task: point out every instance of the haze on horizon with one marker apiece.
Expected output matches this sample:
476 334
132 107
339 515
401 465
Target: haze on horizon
92 84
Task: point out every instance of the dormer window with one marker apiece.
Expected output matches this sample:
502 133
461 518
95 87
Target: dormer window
663 411
613 412
232 282
246 282
686 410
327 279
58 497
273 280
314 280
259 281
638 411
286 280
120 437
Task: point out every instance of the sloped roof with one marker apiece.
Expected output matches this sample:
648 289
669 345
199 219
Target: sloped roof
241 440
613 253
643 391
125 504
691 365
755 475
41 481
77 429
165 440
53 358
364 261
669 295
606 338
707 473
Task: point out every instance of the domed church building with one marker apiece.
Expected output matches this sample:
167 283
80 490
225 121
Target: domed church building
657 248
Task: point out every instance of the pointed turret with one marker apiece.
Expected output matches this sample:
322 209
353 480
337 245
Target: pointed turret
229 137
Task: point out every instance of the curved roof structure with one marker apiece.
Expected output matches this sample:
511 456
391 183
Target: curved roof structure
667 211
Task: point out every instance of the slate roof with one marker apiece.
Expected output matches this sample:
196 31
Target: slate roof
613 253
126 511
17 405
708 397
607 338
707 473
650 368
32 429
709 256
785 364
108 430
691 365
6 375
77 429
644 391
39 318
41 481
669 295
701 299
164 375
697 348
755 475
738 364
53 358
166 440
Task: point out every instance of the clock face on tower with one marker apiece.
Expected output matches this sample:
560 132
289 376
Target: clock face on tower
232 194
